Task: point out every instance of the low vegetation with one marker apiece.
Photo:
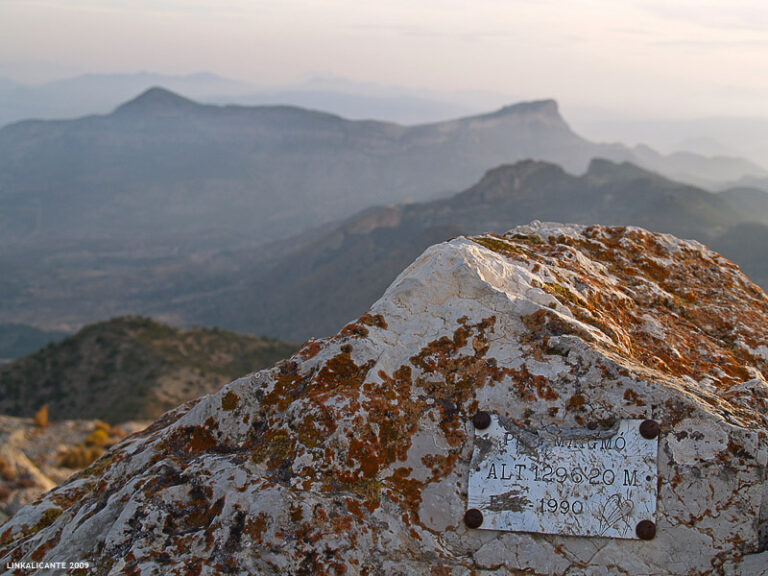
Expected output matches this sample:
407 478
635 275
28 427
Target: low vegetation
129 368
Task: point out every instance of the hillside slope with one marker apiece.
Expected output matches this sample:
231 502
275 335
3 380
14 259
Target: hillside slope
130 368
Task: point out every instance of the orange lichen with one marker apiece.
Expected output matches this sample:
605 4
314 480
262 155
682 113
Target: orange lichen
256 526
344 434
575 402
543 389
310 349
200 440
229 401
633 397
359 327
698 300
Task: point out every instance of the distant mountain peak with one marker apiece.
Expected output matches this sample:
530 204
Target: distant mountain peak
547 108
602 168
523 170
156 100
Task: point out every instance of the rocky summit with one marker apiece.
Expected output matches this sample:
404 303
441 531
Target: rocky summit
353 457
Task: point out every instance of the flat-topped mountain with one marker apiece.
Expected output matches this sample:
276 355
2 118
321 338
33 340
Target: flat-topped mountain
130 368
354 456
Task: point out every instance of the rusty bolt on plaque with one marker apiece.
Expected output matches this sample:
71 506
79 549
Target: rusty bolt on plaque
473 518
649 429
481 420
645 530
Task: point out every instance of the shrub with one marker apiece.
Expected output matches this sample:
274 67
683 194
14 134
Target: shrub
98 437
101 425
7 473
80 456
41 417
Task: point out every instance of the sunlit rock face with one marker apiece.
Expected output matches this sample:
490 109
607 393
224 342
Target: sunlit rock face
353 456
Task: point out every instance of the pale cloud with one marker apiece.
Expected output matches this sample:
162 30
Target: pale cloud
718 14
636 54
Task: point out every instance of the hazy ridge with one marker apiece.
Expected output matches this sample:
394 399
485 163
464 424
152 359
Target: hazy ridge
229 215
333 275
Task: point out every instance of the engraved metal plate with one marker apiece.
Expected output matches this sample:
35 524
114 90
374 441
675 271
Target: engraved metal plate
573 481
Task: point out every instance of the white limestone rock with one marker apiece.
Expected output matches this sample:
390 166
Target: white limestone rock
353 456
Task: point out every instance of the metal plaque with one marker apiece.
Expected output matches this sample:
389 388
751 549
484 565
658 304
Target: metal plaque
572 481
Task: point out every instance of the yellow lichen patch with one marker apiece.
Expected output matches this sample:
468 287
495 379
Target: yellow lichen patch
48 517
278 444
310 434
500 246
368 490
563 294
98 467
530 239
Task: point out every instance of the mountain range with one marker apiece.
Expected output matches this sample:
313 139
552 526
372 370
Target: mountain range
313 283
329 276
101 93
713 136
244 217
165 170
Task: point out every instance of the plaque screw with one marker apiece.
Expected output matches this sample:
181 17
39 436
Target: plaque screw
645 529
649 429
473 518
481 420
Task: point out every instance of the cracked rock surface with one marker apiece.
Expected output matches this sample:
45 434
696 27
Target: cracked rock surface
353 456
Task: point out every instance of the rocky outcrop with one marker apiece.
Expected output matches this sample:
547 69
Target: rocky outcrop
353 456
34 458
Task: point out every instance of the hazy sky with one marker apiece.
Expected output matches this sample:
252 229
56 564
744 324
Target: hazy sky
679 57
